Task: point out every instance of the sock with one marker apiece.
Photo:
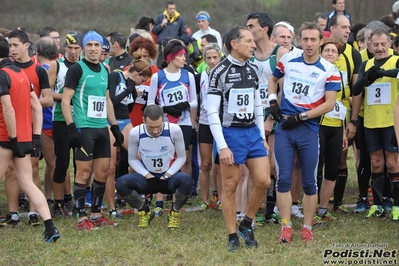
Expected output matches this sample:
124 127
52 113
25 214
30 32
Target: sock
246 222
233 236
307 227
59 203
123 165
363 173
97 194
387 191
377 186
395 188
48 224
32 213
271 197
14 216
159 204
340 185
321 211
67 198
79 193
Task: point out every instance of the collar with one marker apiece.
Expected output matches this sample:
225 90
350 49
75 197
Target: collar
235 61
5 62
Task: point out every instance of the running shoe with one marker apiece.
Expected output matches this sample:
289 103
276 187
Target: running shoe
158 211
59 211
341 209
361 206
286 234
248 235
203 205
7 220
296 211
387 204
395 214
69 206
52 235
219 206
102 220
234 245
319 221
115 214
173 219
260 218
376 211
214 198
145 218
275 218
34 220
86 225
306 234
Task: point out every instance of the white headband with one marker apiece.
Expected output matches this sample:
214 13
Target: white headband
285 24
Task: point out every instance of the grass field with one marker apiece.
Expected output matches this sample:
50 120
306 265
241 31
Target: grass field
200 240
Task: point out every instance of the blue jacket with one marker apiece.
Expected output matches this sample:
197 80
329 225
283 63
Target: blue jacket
175 28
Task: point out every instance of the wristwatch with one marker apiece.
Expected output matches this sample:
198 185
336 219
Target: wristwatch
303 116
354 121
165 176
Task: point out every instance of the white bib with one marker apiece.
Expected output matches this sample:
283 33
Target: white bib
96 107
120 89
241 101
379 93
142 89
263 94
339 111
300 92
175 95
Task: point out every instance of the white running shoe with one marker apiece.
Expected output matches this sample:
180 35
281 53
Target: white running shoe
296 211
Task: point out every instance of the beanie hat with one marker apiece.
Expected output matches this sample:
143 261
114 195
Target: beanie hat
92 36
4 49
203 15
106 45
73 37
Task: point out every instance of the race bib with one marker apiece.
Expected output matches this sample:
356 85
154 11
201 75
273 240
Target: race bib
142 89
156 164
339 111
263 94
300 91
241 101
175 95
96 107
379 93
120 89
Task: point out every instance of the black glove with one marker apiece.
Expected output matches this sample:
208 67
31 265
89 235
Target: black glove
182 106
291 122
275 111
144 95
37 143
394 141
119 138
371 75
16 151
172 111
74 136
